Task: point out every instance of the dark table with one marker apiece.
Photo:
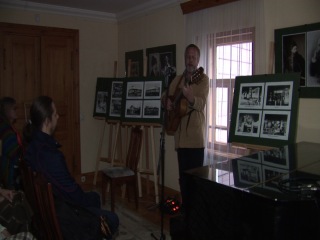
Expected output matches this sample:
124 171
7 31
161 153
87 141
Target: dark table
271 194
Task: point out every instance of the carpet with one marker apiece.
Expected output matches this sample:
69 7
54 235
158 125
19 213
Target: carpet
134 227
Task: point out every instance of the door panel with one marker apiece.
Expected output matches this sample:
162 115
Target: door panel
21 73
44 61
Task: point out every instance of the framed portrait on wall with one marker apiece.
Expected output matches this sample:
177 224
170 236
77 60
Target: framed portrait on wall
297 50
134 63
162 62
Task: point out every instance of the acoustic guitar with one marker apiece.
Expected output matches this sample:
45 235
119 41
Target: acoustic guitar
180 104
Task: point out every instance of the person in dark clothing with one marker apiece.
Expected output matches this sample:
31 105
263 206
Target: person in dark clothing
295 62
43 155
11 145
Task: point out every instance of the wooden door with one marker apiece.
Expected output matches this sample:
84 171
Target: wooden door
44 61
20 76
58 69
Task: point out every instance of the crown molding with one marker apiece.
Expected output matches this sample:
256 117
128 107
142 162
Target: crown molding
196 5
146 8
26 5
136 11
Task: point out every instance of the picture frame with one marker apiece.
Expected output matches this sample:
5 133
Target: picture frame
305 40
272 118
135 60
162 62
102 95
115 107
142 100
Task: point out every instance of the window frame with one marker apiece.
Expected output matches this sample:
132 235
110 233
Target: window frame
238 36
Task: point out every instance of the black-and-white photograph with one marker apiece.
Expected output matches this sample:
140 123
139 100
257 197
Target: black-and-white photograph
101 104
115 107
154 65
294 55
116 99
251 95
152 89
133 109
271 177
275 124
277 157
256 157
248 123
116 90
278 95
134 90
151 108
162 62
168 68
249 173
313 59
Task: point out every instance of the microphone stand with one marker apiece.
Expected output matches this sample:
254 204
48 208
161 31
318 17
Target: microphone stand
162 157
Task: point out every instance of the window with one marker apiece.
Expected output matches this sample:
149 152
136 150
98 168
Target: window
233 57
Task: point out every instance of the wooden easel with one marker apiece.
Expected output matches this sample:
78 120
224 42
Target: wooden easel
115 143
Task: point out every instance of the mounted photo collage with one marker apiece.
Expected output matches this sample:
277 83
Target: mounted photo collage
129 99
264 110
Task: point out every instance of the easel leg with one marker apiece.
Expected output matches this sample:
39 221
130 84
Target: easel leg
99 155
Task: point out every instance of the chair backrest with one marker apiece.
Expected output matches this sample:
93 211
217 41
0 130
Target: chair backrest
45 200
134 149
27 183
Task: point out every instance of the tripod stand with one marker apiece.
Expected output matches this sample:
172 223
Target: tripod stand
162 152
168 77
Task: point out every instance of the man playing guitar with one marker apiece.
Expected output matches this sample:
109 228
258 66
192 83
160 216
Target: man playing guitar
185 119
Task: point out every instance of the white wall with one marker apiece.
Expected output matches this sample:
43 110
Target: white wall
161 28
98 43
290 13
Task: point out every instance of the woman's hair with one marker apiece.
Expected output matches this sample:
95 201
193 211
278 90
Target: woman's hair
40 110
5 103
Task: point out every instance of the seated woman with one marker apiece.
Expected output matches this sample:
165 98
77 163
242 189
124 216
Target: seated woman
43 155
11 145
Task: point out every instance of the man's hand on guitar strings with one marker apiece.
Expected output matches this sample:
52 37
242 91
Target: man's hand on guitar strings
187 91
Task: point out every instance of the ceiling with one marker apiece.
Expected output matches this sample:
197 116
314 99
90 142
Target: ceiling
112 8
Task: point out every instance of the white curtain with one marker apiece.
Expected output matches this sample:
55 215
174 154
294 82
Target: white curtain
202 28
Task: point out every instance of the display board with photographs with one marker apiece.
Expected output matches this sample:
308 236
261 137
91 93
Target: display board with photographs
297 50
264 110
142 100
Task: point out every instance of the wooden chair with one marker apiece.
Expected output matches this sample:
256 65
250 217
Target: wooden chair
124 174
45 201
29 191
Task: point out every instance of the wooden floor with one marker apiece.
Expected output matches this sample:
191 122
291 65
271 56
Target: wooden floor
148 208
